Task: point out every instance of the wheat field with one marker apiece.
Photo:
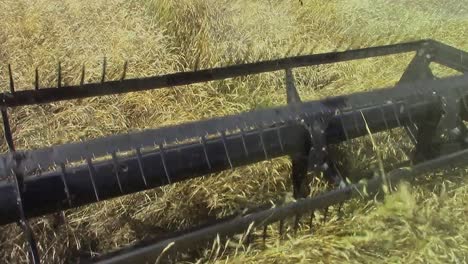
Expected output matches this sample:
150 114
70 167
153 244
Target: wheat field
423 223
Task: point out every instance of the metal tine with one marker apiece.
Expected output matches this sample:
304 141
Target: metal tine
278 134
12 83
203 142
297 219
59 75
224 139
314 142
163 159
104 64
340 207
7 130
356 126
124 72
249 236
281 226
262 141
140 165
115 161
63 176
385 120
311 220
91 176
342 124
325 214
83 72
365 121
36 79
383 117
343 183
408 128
264 234
243 142
32 245
395 113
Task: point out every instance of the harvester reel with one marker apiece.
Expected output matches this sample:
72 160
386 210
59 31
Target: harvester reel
37 182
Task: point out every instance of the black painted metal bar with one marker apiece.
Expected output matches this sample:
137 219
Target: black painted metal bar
449 56
186 161
47 95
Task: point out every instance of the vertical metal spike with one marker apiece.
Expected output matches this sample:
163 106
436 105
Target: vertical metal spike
312 138
104 65
115 161
297 219
59 75
243 142
395 113
264 234
63 176
248 238
203 142
281 226
32 245
7 130
91 176
382 112
411 127
339 177
278 134
340 207
356 126
124 72
12 83
36 79
342 125
163 159
140 166
83 72
311 220
224 139
262 141
325 214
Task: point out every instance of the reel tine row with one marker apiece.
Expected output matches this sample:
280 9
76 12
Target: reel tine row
59 76
103 168
48 95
